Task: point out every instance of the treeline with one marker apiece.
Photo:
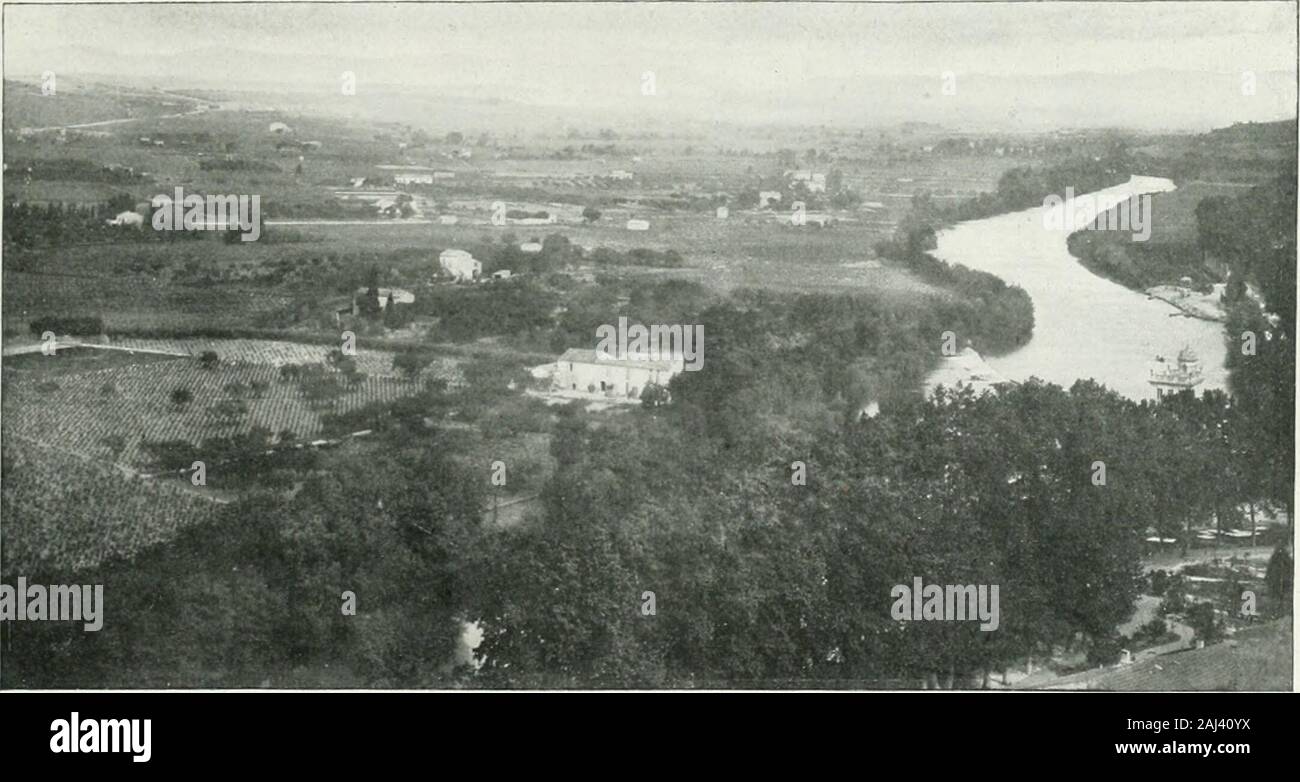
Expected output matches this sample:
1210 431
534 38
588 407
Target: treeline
995 317
760 581
1027 186
74 169
235 164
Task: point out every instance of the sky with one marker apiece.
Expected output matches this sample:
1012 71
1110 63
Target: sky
822 60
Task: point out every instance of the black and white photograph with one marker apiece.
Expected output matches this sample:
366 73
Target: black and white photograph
497 346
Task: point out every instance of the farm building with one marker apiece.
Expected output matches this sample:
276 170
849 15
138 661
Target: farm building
459 265
448 219
501 274
128 218
816 183
598 372
620 175
413 179
278 127
723 213
386 296
766 197
638 225
532 248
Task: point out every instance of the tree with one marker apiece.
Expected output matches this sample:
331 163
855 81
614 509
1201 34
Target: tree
591 214
654 395
209 359
1205 622
181 397
411 362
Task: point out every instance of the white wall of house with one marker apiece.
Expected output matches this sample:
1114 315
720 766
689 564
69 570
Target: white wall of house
622 378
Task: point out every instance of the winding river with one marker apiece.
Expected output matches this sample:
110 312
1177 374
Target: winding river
1085 326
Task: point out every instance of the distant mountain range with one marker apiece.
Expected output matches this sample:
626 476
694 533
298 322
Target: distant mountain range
1150 99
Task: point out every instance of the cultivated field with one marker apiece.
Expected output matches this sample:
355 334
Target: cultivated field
62 512
109 413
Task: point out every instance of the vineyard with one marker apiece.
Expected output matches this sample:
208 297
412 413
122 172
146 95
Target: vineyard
109 413
64 513
377 363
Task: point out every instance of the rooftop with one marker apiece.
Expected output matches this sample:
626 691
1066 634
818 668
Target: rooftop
583 356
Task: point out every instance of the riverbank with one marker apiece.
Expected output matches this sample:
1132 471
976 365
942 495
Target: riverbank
1086 326
1192 303
967 369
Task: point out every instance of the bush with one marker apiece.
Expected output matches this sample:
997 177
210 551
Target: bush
1105 651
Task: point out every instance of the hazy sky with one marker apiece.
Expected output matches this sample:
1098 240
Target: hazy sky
714 54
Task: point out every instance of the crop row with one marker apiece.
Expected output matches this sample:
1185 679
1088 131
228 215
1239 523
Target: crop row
62 513
109 413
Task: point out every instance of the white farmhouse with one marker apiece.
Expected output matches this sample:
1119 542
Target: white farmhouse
638 225
128 218
459 265
532 248
596 372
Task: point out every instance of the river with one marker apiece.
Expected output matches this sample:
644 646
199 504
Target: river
1085 326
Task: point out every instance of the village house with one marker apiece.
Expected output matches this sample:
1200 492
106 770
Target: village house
532 248
597 372
766 197
413 179
638 225
128 218
460 265
816 183
386 296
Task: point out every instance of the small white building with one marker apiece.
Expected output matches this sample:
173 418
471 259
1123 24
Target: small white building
413 179
460 265
816 183
448 219
621 175
386 295
501 274
723 213
128 218
278 127
532 248
638 225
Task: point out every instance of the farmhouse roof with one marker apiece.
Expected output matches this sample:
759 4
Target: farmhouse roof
583 356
